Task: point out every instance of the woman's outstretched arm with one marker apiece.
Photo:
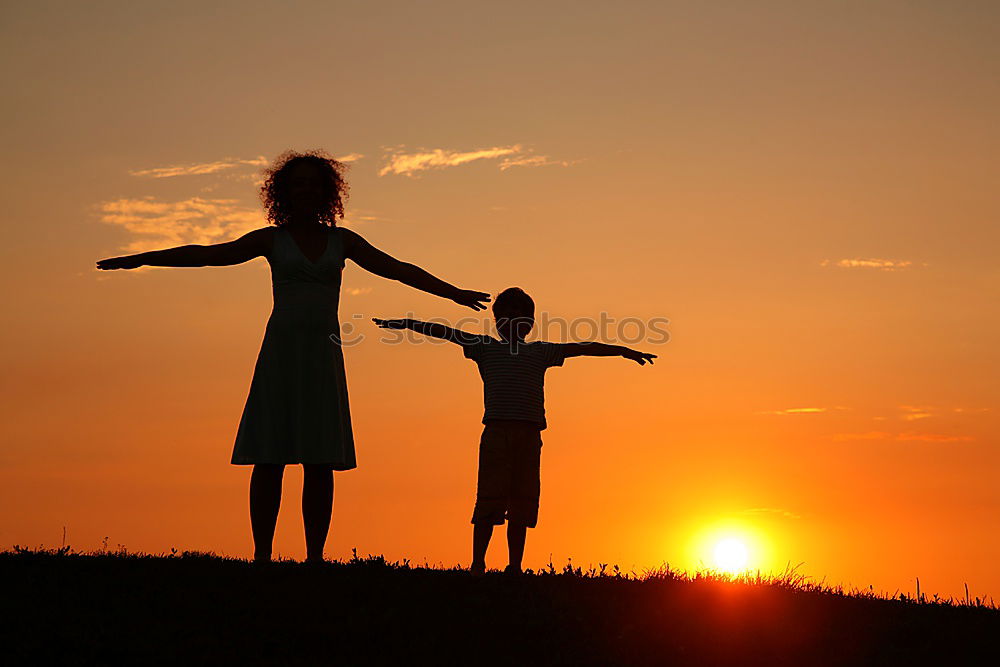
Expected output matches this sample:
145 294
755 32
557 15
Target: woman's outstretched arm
372 259
250 245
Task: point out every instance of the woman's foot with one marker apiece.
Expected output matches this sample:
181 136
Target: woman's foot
512 571
477 569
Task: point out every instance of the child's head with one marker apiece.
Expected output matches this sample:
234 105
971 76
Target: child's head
514 312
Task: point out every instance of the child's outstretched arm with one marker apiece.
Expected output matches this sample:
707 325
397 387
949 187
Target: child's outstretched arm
432 329
605 350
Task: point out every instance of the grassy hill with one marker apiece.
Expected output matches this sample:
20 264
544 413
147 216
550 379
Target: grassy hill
119 608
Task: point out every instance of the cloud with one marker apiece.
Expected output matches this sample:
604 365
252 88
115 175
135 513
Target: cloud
438 158
360 217
156 224
407 163
933 437
771 510
355 291
798 411
870 435
909 436
533 161
199 169
203 168
871 263
913 413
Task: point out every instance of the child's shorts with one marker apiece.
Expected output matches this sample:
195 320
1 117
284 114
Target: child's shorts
509 482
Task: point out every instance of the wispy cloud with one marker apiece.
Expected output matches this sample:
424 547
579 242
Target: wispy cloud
869 263
204 168
356 291
776 511
533 161
934 437
439 158
199 169
358 217
799 411
409 163
908 436
913 412
870 435
156 224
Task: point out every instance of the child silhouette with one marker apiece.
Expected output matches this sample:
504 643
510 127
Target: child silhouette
513 373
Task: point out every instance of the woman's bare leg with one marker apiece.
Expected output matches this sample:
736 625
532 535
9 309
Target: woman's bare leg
317 508
265 499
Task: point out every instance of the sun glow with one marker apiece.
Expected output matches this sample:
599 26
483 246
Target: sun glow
730 546
731 555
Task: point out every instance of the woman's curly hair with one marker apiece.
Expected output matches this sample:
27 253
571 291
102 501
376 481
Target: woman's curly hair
274 193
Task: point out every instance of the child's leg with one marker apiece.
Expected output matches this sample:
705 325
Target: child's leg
317 508
492 491
265 498
481 534
525 490
516 533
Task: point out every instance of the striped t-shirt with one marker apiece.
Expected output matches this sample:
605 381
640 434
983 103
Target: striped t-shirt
514 376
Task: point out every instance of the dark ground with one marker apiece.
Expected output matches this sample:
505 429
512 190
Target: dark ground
194 609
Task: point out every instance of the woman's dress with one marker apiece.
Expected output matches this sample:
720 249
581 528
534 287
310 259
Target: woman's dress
297 409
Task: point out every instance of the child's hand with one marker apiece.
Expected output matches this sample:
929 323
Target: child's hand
390 324
471 299
638 357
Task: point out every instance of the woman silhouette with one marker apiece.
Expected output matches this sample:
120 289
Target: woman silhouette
297 408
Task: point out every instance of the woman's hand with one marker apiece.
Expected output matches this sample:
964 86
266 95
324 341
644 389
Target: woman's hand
471 299
126 262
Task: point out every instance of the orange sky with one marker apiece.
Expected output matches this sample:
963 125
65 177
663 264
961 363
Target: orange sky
806 191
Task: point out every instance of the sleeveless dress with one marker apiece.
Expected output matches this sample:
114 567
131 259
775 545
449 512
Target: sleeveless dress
297 409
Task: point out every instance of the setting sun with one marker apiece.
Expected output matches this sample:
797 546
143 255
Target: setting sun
732 546
731 555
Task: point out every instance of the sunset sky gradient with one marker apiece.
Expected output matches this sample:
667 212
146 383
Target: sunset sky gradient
805 190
